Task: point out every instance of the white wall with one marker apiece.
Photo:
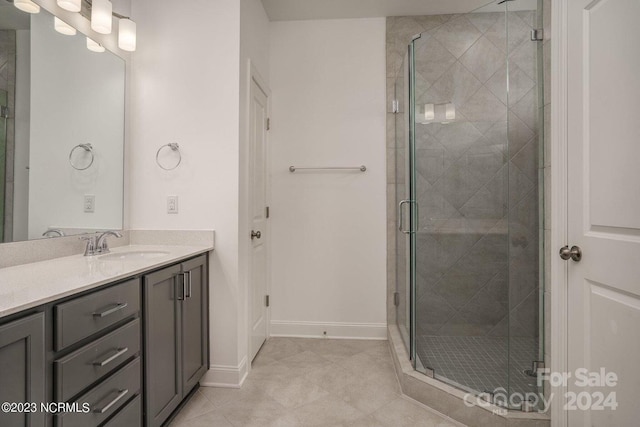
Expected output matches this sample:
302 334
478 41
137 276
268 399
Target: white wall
328 229
77 97
184 88
21 162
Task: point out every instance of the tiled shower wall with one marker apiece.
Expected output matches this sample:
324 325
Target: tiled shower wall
471 64
7 83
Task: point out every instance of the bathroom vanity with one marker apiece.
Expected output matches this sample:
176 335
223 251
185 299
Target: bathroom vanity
118 341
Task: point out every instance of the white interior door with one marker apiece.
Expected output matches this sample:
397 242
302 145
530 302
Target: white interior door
604 208
258 206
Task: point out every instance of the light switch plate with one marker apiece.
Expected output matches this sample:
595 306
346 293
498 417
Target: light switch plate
172 204
89 203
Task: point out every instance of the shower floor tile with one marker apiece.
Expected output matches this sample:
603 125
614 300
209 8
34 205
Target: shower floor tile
478 364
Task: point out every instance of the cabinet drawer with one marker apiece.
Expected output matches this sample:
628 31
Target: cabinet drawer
86 315
87 365
129 416
106 398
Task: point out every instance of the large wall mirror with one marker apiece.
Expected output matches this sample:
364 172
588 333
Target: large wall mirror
61 130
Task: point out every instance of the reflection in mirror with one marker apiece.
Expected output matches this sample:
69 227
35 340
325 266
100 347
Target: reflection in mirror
61 130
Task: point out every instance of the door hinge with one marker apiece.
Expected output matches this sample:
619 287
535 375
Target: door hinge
266 211
266 300
268 124
396 299
395 106
537 35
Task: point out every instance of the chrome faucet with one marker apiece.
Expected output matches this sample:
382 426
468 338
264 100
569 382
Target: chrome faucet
97 245
101 245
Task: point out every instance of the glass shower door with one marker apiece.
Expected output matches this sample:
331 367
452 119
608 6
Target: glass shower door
3 153
402 106
473 194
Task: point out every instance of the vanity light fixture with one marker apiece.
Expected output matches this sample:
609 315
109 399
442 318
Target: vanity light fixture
70 5
127 34
94 46
63 28
26 6
101 16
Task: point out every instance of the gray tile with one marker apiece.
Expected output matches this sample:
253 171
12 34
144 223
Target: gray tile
484 107
525 57
483 59
198 405
403 413
455 86
527 160
280 348
330 410
457 35
483 20
209 419
432 59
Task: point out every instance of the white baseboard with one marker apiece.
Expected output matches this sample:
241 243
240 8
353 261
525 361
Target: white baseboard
225 376
334 330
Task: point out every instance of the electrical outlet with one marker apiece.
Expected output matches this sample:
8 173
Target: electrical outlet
89 203
172 204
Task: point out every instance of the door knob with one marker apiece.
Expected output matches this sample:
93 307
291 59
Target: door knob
255 234
575 253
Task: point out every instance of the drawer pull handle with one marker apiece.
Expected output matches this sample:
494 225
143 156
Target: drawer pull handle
121 394
188 277
119 352
112 310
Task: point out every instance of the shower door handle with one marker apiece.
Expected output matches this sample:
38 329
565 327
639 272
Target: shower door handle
401 216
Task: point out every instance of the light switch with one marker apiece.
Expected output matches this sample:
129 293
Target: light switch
89 203
172 204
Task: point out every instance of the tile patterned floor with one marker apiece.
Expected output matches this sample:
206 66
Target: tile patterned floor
480 363
313 382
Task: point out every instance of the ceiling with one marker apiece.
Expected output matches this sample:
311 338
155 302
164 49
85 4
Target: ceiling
290 10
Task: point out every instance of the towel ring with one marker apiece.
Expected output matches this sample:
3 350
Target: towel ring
86 147
174 147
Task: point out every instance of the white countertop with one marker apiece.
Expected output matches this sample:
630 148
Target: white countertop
30 285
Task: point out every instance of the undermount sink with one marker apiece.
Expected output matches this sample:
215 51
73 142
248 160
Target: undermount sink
133 255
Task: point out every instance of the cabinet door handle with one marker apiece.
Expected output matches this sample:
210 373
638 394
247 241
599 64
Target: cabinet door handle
117 307
119 352
180 275
188 280
121 394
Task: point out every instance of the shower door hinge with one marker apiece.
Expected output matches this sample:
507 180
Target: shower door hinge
537 366
396 299
266 212
268 124
266 300
537 35
4 111
395 107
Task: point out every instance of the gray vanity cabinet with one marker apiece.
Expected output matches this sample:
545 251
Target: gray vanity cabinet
22 370
195 323
176 342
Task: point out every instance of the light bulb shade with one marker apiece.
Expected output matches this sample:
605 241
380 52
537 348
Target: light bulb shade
94 46
101 16
63 28
429 112
26 6
127 35
70 5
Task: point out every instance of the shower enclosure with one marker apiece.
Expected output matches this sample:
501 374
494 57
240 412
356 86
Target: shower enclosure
469 238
